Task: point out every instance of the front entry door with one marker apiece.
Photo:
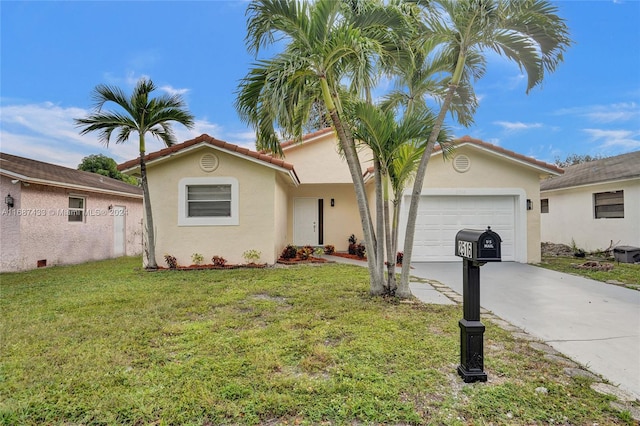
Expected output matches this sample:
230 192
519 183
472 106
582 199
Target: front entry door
306 226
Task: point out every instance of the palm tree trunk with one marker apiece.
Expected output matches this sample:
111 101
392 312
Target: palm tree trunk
150 235
380 219
376 286
391 251
403 289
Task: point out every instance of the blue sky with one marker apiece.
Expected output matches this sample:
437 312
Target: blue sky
54 53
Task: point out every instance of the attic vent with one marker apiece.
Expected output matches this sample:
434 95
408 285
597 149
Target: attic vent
208 162
461 163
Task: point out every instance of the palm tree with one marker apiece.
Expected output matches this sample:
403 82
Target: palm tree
140 114
327 43
397 144
528 32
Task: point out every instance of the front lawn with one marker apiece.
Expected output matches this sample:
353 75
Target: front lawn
107 343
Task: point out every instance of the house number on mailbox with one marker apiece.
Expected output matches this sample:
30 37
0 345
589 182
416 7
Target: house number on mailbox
464 249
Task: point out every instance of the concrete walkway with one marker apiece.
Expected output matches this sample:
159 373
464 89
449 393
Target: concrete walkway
593 323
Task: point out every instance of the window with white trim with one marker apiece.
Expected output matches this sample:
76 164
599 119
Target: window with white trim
208 201
76 209
608 205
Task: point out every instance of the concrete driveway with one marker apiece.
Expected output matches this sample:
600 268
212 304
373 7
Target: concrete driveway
593 323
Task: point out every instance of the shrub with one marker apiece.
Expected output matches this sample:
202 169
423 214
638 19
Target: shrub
360 250
289 252
399 257
305 252
251 256
218 261
171 261
329 249
197 258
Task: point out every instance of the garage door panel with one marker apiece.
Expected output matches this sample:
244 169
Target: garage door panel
441 217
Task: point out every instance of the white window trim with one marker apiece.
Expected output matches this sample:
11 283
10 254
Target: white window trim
83 209
184 220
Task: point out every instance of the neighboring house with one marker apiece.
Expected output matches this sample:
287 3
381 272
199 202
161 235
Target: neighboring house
215 198
64 216
594 205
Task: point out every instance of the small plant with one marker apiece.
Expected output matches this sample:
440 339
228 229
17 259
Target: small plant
305 252
197 258
399 258
329 249
360 250
251 256
318 251
289 252
171 261
218 261
352 244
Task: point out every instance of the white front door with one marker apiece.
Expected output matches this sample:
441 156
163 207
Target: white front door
305 221
119 239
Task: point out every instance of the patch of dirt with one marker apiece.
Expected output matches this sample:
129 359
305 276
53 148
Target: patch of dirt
593 266
556 250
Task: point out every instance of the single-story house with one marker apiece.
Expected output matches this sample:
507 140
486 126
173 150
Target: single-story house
593 205
54 215
218 199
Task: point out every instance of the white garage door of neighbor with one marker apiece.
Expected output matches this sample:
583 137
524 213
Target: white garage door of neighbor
441 217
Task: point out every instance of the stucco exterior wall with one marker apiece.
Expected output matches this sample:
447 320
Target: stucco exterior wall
43 232
571 218
257 225
318 161
281 205
10 250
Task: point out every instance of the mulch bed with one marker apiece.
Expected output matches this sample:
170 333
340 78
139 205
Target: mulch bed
300 261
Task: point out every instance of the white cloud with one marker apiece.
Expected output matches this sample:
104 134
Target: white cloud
614 140
46 132
172 91
516 126
618 112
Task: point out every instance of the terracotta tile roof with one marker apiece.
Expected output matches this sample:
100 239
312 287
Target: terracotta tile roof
620 167
38 172
306 137
213 142
508 153
469 140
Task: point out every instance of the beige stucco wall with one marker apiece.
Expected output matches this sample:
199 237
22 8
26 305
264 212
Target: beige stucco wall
571 217
491 174
340 221
318 161
38 228
257 208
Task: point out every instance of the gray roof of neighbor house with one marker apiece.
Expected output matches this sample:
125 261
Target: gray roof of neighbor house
620 167
37 172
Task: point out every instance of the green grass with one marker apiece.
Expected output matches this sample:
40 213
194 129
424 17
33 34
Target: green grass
625 273
107 343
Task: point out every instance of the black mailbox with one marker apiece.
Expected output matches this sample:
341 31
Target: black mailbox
478 246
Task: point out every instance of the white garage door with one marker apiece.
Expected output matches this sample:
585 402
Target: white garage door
441 217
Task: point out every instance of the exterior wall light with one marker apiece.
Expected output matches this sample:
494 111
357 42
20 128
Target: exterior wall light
529 205
9 201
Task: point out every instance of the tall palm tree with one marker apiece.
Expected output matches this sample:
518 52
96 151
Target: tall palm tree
527 32
328 44
139 114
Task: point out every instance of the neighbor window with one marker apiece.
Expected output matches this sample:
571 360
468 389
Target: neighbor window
208 201
608 205
76 209
544 205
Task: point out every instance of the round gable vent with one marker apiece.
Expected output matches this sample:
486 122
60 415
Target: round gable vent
209 162
461 163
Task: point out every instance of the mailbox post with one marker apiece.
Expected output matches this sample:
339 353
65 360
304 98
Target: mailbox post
476 248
